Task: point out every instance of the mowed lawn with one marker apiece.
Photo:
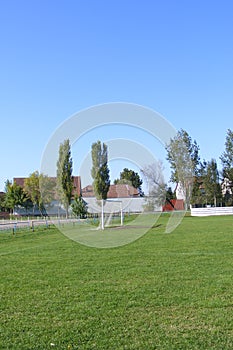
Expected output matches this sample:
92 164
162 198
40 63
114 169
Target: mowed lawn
164 291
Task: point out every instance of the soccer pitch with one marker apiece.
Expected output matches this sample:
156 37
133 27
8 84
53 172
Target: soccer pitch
163 291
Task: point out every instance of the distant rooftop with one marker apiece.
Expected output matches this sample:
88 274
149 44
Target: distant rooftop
115 191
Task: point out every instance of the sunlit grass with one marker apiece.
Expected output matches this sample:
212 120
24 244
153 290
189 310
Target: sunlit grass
163 291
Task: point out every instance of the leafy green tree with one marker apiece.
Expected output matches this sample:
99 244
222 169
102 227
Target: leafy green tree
40 189
100 173
183 155
122 182
32 188
211 184
47 189
227 159
79 207
128 176
170 194
198 193
64 175
14 196
2 201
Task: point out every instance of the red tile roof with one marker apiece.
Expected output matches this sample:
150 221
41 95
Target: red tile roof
77 183
88 191
115 191
19 181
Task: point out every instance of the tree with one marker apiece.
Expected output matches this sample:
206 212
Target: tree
100 173
47 189
198 193
2 201
32 188
40 189
227 160
131 177
14 196
153 175
211 185
183 155
79 207
170 194
64 175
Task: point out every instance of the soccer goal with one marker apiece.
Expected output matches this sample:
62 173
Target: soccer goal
113 213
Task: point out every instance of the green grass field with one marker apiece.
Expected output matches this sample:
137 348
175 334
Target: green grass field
163 291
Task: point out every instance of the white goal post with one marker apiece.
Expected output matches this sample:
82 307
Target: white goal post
111 208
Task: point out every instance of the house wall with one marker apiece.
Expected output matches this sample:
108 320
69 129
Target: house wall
177 203
133 205
180 192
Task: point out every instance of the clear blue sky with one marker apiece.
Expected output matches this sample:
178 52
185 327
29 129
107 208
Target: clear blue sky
58 57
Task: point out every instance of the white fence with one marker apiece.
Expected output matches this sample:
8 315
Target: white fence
211 211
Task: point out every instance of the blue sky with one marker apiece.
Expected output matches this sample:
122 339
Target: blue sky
59 57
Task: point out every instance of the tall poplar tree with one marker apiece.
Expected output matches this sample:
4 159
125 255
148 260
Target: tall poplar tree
64 175
100 173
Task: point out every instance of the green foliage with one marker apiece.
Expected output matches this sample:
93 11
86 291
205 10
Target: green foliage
198 192
164 292
183 156
15 196
39 189
79 207
99 154
206 187
2 201
100 170
102 182
227 156
227 159
32 188
170 194
64 175
128 176
212 188
122 182
47 188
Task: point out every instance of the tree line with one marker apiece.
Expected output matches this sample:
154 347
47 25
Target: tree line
200 180
40 190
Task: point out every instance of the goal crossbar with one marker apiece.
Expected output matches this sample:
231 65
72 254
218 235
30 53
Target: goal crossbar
111 212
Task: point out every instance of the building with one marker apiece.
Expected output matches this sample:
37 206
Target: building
20 181
115 191
54 207
120 197
226 187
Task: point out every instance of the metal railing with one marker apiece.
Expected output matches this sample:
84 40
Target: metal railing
15 225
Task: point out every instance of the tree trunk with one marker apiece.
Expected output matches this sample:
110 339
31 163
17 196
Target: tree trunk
102 214
67 212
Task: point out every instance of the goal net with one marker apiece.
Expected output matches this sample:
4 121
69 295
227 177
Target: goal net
113 213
